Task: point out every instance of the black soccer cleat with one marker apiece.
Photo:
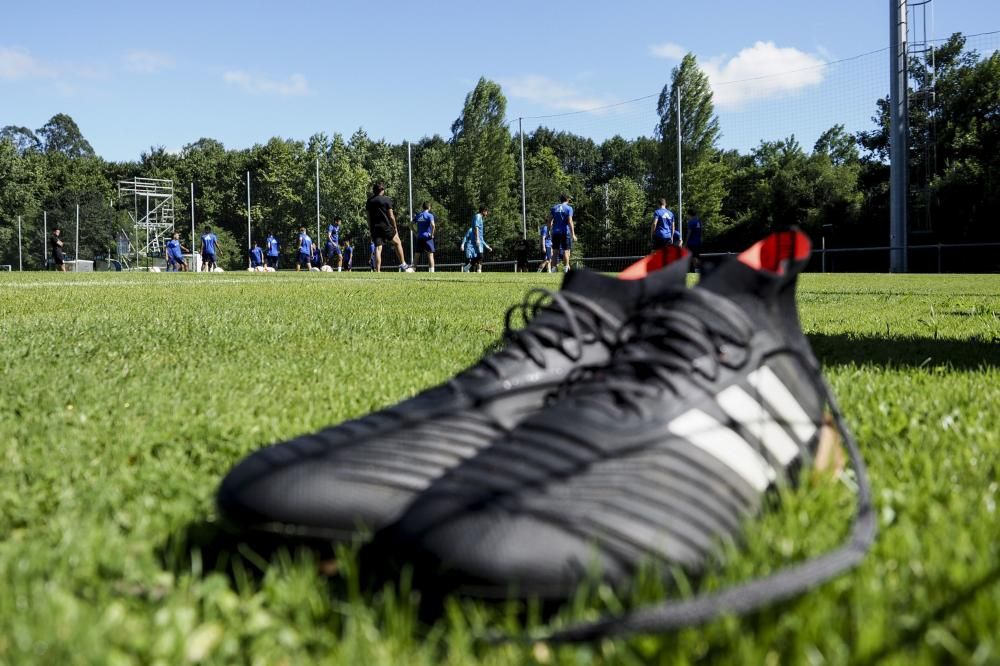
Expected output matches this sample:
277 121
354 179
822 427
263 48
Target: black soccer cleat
361 474
716 399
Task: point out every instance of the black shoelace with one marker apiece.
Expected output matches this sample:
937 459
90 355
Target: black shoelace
559 320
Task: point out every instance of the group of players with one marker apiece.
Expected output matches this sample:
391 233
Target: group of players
557 236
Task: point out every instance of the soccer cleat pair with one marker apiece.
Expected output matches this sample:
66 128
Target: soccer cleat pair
670 413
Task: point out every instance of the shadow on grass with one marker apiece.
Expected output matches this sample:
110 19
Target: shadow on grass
916 633
905 352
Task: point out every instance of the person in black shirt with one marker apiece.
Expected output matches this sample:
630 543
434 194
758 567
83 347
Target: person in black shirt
57 250
382 224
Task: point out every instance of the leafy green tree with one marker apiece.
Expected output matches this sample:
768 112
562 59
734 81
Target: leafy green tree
61 134
703 172
24 139
484 162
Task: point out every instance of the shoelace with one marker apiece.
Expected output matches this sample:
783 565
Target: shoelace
688 328
576 319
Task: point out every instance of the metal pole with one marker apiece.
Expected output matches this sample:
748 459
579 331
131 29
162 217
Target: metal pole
194 262
76 265
409 176
680 186
317 200
20 266
524 194
248 217
898 132
45 239
824 252
146 218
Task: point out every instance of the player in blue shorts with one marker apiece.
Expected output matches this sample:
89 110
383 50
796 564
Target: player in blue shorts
348 255
317 257
256 256
303 257
425 235
662 230
332 247
175 253
545 233
209 247
562 230
271 245
473 246
693 238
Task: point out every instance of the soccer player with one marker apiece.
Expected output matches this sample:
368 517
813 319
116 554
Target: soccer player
371 255
348 255
175 253
662 230
692 239
209 247
256 256
304 258
317 256
271 243
333 243
473 246
546 235
382 224
562 230
57 250
425 235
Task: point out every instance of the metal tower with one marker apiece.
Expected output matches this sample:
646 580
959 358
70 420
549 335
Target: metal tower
152 213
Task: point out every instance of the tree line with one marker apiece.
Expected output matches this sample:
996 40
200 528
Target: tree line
838 186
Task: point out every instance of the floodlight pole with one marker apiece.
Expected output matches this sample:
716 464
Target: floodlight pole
317 200
680 185
524 194
194 262
248 217
409 178
898 133
20 266
45 238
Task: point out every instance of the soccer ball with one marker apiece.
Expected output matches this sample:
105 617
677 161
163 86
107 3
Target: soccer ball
218 269
251 270
314 269
154 269
269 269
327 269
411 269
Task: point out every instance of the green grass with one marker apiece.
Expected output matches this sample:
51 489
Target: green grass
125 398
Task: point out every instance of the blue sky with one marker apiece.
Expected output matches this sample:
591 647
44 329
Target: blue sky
135 75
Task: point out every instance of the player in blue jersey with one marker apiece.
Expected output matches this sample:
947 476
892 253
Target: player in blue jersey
209 248
693 238
348 255
175 253
332 248
271 247
662 230
546 235
426 227
303 258
256 256
473 245
562 230
317 256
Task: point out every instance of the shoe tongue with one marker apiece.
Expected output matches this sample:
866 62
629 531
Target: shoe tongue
622 297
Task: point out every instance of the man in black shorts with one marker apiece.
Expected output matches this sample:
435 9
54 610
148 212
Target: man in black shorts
382 224
57 250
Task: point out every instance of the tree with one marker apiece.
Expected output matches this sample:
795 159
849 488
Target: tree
703 173
62 135
24 139
484 161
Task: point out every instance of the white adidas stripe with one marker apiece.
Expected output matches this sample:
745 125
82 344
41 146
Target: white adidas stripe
781 400
742 408
725 445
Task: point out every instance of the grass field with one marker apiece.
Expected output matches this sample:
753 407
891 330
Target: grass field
124 398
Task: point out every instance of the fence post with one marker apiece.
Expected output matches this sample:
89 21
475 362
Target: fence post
20 265
939 257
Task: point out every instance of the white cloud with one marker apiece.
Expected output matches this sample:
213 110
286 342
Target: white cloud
17 64
295 86
551 94
147 62
761 71
668 51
